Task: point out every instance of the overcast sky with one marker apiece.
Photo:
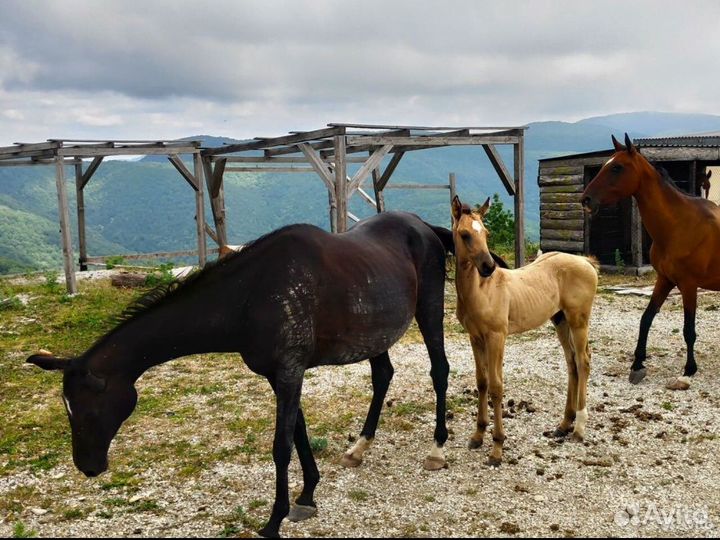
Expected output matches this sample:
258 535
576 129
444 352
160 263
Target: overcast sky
157 69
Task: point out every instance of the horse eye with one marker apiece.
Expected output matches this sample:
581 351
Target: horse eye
616 169
465 236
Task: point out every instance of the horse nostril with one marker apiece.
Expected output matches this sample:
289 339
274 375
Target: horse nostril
586 202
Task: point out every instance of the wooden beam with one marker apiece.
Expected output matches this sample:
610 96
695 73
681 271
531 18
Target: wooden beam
199 207
321 168
417 186
431 140
519 200
80 198
429 128
90 171
367 198
341 184
500 168
453 186
86 152
370 165
389 170
65 234
271 169
184 172
275 141
217 199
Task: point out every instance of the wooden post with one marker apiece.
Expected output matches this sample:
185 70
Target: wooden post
216 192
636 235
80 197
65 235
453 189
340 184
200 210
519 165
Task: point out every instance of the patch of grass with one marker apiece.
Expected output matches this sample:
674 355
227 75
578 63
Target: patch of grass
121 479
318 445
358 495
257 503
667 406
238 522
21 531
147 505
74 513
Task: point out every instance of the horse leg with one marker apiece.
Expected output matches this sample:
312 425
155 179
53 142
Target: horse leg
429 316
563 332
689 296
382 373
579 332
288 387
663 286
495 349
481 377
305 506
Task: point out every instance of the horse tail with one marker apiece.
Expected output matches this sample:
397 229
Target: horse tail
445 236
594 262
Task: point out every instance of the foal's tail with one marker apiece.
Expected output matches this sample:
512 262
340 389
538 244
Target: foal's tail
595 263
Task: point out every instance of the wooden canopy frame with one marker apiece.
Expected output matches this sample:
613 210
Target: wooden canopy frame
70 152
327 152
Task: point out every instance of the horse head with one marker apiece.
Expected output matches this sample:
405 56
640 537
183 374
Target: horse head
96 405
470 236
617 179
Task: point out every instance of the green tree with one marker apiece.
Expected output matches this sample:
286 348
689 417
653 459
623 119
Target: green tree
501 224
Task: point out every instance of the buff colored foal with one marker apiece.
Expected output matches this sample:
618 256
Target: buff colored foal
494 302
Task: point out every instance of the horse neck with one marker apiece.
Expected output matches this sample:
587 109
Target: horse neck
173 328
660 205
467 278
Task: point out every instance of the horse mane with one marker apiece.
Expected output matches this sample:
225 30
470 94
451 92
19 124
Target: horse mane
165 290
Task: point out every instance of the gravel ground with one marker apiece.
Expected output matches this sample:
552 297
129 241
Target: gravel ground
648 466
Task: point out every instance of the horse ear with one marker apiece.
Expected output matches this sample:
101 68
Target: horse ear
46 360
456 208
709 174
629 144
618 147
485 207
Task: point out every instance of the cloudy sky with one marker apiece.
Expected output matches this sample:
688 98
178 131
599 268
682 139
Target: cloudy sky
168 69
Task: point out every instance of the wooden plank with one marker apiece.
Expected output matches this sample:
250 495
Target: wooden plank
575 224
559 198
20 148
428 128
453 186
576 162
125 151
90 171
65 233
34 162
500 168
366 197
561 245
636 235
389 170
184 172
321 168
562 214
569 188
519 201
681 154
80 198
282 159
417 186
561 207
140 256
340 184
294 149
370 165
282 170
379 196
561 234
562 170
561 179
217 199
199 210
276 141
431 140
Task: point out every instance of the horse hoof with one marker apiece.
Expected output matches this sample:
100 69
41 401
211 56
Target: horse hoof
576 437
681 383
350 462
266 532
560 433
433 463
494 462
299 512
637 375
473 444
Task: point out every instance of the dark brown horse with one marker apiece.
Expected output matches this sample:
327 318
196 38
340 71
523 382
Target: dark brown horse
295 299
685 232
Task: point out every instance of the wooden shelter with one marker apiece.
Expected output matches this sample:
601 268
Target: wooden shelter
62 153
615 235
328 152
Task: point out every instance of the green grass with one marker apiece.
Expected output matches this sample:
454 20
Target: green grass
21 531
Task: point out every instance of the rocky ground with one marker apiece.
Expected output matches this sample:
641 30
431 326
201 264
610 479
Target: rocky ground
195 460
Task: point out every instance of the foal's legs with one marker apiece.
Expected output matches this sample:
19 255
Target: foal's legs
689 296
287 387
495 350
579 332
563 332
305 506
481 377
382 373
429 316
663 286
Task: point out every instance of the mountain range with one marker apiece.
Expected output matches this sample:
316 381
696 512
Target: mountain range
145 206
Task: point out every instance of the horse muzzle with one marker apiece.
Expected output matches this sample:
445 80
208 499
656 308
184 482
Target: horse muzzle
590 205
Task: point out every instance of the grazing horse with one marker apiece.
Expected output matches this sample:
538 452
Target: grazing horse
685 234
294 299
493 302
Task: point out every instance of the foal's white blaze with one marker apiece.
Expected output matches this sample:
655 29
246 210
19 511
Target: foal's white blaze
67 406
477 226
359 448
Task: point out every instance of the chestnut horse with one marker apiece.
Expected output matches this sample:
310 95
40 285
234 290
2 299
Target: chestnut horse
685 234
494 302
